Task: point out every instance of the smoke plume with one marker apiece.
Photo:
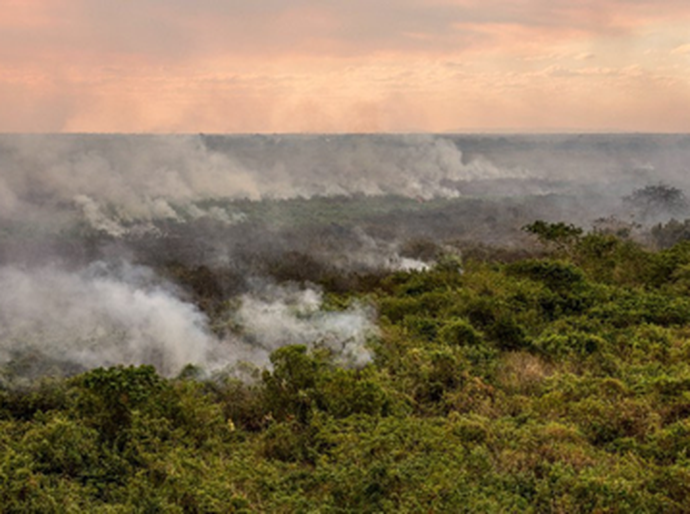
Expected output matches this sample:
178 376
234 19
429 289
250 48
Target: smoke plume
105 315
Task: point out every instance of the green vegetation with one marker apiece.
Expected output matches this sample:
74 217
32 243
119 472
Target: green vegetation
558 384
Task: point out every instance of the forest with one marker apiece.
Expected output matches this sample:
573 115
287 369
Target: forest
549 379
344 324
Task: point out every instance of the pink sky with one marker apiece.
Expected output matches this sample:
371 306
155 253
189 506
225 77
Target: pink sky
344 65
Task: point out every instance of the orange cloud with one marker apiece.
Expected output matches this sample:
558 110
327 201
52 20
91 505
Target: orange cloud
361 65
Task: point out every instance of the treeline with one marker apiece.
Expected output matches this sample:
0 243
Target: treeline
554 384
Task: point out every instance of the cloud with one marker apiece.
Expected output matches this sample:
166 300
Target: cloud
176 65
168 31
681 50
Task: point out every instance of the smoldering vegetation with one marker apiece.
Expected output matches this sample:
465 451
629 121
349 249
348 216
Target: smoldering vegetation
57 321
216 250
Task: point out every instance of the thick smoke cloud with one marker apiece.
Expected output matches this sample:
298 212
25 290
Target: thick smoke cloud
114 180
105 315
98 317
417 166
150 177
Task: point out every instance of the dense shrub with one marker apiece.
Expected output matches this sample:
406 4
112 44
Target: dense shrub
543 385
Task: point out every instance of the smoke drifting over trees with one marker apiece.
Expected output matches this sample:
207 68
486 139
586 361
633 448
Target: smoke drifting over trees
354 323
212 250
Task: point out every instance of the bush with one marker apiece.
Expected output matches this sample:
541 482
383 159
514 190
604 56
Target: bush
289 390
574 343
459 332
556 275
63 447
561 235
113 393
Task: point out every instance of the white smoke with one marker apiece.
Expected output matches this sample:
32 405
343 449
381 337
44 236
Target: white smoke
372 253
118 181
416 166
97 219
106 315
155 177
116 223
215 213
114 181
276 316
99 317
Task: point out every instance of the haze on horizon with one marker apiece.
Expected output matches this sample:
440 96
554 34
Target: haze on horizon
344 66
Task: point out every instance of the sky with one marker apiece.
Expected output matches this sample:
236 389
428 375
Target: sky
277 66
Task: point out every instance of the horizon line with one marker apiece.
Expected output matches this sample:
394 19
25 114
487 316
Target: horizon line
458 132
